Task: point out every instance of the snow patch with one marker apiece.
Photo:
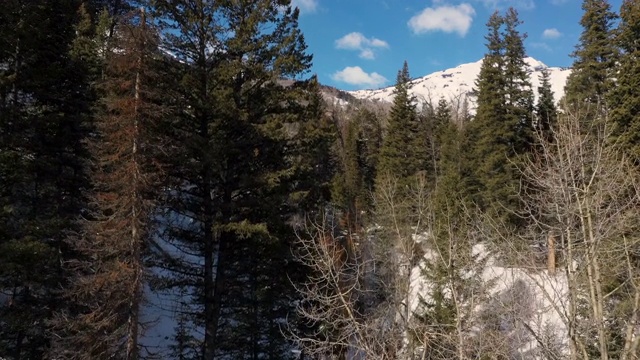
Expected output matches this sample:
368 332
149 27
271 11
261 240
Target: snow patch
531 303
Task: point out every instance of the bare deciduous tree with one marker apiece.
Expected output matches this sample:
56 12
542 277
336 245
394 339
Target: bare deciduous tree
583 203
333 297
409 289
359 297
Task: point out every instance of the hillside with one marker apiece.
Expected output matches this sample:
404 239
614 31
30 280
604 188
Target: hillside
460 81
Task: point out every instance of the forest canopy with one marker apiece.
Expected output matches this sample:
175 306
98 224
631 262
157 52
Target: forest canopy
175 183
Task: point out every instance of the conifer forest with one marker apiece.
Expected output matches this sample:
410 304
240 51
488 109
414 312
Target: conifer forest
174 184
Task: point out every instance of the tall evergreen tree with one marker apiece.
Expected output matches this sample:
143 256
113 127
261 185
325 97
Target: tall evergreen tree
493 136
43 115
313 148
369 144
403 149
445 307
453 185
238 154
520 100
503 124
452 181
624 97
109 276
349 183
442 119
624 104
595 57
546 111
358 148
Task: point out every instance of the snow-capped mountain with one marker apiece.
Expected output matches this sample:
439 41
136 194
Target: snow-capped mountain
452 84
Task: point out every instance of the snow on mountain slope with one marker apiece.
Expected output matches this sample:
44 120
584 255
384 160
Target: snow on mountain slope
460 81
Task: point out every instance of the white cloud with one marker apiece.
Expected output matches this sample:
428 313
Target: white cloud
551 33
367 54
379 43
354 75
541 45
446 18
305 6
357 41
502 4
351 41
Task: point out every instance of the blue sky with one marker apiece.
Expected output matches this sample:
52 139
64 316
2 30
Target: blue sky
360 44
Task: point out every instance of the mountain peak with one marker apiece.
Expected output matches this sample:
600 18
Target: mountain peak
533 63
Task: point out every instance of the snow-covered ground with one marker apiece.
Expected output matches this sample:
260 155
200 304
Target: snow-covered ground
531 303
543 316
460 81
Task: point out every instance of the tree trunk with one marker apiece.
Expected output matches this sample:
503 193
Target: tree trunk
218 289
551 254
210 279
134 305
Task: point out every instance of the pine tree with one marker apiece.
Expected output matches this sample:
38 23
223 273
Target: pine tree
452 189
445 308
237 156
403 149
546 112
313 148
357 151
440 120
451 179
624 99
348 184
110 274
369 144
502 127
494 136
43 124
191 35
595 58
519 101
